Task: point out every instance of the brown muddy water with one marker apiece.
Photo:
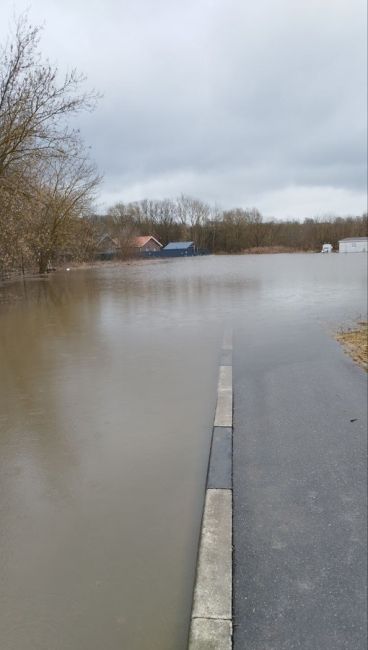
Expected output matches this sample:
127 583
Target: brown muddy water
107 394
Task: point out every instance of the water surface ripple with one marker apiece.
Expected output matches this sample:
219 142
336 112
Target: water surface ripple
108 381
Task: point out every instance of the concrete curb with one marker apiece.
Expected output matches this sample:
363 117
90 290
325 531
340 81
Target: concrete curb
211 622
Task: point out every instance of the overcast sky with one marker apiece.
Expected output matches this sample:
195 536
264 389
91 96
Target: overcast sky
239 102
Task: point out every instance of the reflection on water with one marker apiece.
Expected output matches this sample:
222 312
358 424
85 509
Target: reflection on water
107 395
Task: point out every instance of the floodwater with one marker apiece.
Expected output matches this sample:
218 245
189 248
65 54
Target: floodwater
107 393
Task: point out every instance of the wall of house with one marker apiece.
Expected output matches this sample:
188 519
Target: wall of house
179 252
107 246
353 247
151 246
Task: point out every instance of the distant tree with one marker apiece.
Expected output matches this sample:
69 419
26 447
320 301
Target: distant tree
255 227
122 225
229 231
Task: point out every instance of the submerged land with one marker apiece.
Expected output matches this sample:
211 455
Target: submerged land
108 379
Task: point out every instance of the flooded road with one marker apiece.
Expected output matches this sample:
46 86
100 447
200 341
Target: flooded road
108 380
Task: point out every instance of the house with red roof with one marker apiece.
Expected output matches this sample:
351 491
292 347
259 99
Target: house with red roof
146 244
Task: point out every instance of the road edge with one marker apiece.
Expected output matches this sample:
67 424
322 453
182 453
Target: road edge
211 618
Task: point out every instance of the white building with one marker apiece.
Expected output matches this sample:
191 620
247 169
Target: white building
326 248
353 245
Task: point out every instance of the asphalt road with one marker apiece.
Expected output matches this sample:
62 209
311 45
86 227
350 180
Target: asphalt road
299 474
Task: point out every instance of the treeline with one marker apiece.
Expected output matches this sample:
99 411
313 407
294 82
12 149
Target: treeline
217 231
47 182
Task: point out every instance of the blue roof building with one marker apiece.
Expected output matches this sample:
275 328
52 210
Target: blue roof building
179 249
178 245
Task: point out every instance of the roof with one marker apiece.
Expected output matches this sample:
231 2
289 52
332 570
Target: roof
139 242
178 245
107 236
353 239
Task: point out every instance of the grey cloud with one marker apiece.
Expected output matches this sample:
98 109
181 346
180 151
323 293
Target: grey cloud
233 101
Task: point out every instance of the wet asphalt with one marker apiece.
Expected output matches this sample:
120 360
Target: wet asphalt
299 480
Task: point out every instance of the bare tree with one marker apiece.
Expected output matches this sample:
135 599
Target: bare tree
195 214
63 192
46 180
122 224
34 104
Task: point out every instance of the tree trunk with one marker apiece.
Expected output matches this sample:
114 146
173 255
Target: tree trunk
43 263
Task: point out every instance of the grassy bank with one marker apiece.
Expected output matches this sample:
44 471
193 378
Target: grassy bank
262 250
355 342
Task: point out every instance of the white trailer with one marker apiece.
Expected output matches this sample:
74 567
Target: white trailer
326 248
